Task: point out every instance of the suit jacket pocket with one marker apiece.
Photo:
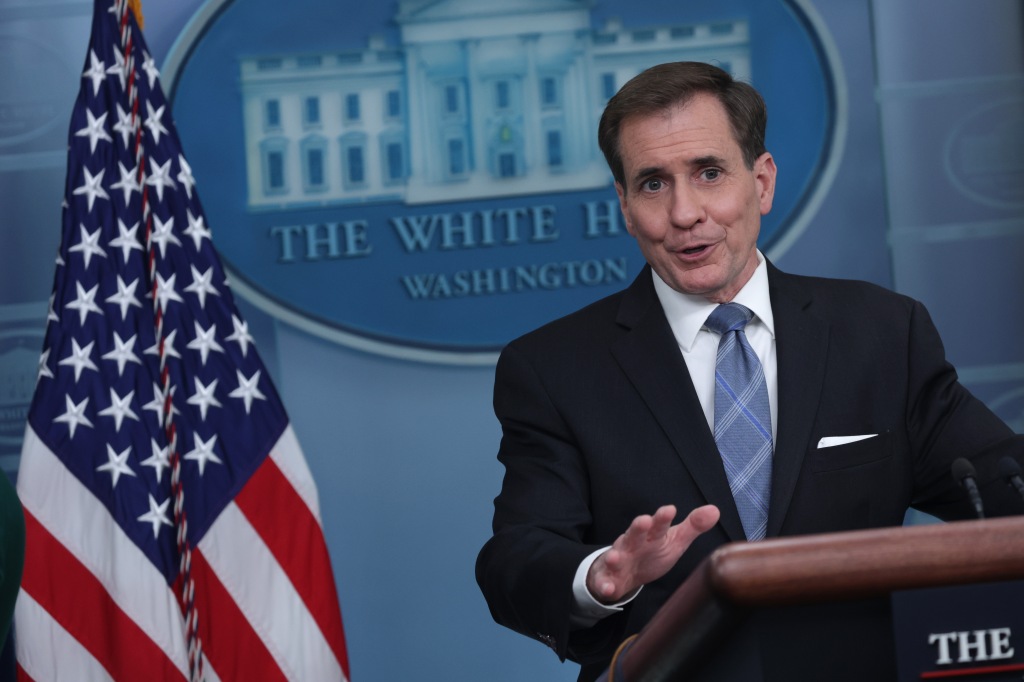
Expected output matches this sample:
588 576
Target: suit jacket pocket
854 454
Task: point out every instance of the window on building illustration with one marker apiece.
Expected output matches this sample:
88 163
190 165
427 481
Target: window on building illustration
272 114
352 112
356 165
549 91
394 104
395 159
501 98
644 36
309 61
275 171
680 32
451 99
314 168
273 157
608 85
554 145
721 29
311 111
456 157
507 165
353 160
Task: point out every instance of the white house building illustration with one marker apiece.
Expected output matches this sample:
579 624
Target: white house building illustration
478 100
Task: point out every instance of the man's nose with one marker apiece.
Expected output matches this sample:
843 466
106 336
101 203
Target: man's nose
687 207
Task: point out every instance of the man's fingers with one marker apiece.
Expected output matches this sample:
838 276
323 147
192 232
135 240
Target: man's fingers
697 521
703 518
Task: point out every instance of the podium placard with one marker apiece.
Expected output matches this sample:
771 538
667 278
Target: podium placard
964 633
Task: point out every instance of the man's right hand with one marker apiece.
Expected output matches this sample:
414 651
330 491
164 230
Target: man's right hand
646 551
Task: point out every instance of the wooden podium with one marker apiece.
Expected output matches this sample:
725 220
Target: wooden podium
740 578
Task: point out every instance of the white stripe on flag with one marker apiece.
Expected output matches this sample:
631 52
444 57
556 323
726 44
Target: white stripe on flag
267 598
287 455
38 639
73 515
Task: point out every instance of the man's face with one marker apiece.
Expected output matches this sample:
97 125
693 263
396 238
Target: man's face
690 201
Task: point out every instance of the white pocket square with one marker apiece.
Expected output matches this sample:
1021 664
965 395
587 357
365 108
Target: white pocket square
831 441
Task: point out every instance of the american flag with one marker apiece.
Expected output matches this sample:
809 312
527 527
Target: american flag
172 525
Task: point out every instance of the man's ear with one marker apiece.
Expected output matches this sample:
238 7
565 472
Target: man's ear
764 174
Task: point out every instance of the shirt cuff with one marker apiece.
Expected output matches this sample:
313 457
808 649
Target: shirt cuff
586 610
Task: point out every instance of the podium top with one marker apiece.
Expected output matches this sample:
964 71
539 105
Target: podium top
806 569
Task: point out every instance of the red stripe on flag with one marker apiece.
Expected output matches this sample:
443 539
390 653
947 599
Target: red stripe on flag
22 676
291 532
234 649
77 600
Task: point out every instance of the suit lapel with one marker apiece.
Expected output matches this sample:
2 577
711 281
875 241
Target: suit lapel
801 346
650 357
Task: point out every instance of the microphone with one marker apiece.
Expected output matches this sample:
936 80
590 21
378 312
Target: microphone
963 472
1010 470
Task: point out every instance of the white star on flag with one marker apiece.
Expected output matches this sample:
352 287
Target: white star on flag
163 234
169 351
204 396
158 401
165 292
120 408
205 341
160 177
155 125
95 130
196 229
159 460
44 368
74 415
95 72
79 358
248 390
124 125
123 353
157 515
125 297
85 303
89 245
202 284
92 187
186 180
126 239
117 464
203 453
241 334
119 69
128 183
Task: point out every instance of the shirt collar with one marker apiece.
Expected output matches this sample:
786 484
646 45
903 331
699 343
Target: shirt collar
687 313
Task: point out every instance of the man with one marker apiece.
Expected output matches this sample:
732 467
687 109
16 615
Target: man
610 415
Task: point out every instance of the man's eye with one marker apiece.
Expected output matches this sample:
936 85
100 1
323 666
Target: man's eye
711 173
652 185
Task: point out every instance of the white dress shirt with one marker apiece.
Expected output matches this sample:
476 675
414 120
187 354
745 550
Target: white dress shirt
699 346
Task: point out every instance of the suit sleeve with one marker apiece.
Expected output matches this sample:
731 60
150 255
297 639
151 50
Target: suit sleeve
946 422
541 517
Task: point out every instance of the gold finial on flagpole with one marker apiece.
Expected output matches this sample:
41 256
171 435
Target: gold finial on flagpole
136 7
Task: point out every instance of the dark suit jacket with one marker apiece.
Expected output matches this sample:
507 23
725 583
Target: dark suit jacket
601 423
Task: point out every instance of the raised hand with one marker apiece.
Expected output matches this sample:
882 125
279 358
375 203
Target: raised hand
646 551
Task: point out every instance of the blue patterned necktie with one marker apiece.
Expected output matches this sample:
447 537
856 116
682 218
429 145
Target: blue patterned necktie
743 423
